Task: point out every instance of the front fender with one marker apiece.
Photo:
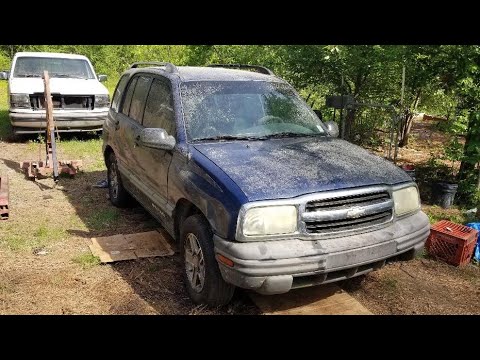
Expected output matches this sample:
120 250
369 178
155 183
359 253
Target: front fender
198 180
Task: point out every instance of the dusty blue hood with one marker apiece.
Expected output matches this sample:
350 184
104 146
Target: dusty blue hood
289 167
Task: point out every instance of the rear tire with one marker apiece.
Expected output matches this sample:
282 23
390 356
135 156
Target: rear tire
118 195
201 274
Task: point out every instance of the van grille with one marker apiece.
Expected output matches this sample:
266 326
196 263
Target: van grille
347 212
37 101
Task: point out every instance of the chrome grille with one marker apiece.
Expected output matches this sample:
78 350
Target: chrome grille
347 212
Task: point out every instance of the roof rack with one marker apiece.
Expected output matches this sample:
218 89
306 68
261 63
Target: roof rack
169 67
260 69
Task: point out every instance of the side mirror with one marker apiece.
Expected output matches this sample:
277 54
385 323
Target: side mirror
332 128
4 75
102 78
156 139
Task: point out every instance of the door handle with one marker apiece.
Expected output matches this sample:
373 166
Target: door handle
117 124
137 141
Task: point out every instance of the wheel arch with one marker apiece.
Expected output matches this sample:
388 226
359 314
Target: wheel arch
106 153
183 209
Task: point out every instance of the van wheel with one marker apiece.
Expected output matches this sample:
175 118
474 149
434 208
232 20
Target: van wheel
202 277
118 195
14 136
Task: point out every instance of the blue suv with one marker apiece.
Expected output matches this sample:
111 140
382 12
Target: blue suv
256 189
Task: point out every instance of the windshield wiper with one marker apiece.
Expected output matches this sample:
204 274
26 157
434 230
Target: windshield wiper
67 76
29 75
231 137
290 134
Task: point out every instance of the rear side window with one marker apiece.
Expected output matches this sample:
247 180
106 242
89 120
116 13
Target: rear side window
139 98
118 92
159 107
128 96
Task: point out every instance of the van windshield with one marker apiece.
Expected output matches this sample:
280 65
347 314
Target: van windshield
246 109
27 66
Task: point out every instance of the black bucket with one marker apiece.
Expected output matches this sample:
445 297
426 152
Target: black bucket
443 193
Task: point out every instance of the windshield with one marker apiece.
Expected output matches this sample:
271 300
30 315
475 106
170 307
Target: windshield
246 109
56 67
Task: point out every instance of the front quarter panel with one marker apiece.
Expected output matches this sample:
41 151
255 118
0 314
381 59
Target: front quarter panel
195 178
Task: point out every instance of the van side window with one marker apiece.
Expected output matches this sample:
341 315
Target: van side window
118 93
159 107
139 97
128 96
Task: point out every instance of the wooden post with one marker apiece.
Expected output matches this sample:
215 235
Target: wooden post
50 129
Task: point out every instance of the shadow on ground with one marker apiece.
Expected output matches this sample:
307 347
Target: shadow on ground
156 282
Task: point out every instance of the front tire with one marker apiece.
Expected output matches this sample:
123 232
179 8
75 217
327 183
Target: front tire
201 274
118 195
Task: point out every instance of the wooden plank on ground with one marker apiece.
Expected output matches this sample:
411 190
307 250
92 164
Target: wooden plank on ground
326 299
132 246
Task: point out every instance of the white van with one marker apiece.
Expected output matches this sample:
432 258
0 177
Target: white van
80 101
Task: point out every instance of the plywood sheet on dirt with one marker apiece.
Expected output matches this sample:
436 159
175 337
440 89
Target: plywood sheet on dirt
326 299
131 246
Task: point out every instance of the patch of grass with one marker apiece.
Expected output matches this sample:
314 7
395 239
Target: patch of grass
436 213
41 236
46 233
86 260
101 219
389 284
421 255
87 147
5 129
14 242
88 150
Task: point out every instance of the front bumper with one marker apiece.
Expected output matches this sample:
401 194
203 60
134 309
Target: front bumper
276 266
30 121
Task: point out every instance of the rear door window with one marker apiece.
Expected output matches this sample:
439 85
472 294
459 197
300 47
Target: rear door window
128 96
118 93
139 97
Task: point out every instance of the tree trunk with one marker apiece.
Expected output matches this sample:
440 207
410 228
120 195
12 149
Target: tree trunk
405 130
468 166
407 125
349 122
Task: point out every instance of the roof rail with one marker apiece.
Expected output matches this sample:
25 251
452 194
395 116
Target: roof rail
169 67
260 69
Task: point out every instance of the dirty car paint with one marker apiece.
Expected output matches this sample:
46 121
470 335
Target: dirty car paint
289 167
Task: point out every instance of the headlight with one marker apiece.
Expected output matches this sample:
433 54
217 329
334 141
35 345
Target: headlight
406 200
270 220
20 101
102 101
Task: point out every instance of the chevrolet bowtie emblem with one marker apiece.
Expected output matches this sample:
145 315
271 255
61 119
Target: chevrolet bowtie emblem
355 212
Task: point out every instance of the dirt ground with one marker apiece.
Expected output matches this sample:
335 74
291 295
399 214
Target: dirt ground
46 266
